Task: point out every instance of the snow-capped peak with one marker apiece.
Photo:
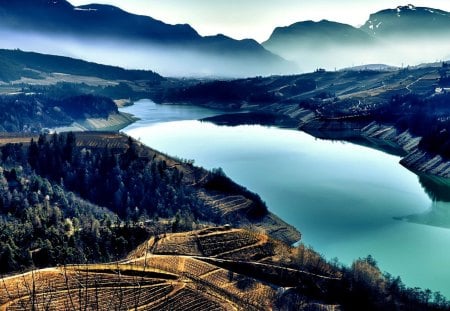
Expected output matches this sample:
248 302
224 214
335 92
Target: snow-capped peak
408 7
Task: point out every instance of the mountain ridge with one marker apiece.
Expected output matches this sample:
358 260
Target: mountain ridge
152 44
407 20
391 36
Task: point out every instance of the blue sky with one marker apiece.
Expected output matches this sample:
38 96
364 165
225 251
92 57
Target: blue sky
255 18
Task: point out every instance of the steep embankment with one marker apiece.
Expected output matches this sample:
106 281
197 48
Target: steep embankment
135 176
214 268
415 159
388 138
217 268
113 123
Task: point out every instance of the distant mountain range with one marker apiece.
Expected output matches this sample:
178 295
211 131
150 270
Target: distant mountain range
407 35
106 34
136 40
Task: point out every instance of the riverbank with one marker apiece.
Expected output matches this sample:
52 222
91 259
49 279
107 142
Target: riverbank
382 137
361 131
114 123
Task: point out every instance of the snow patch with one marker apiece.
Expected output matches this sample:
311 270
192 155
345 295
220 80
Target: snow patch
88 10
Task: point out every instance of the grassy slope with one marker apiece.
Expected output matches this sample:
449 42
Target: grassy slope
15 64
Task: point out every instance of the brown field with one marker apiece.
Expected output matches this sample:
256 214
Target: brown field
16 138
180 271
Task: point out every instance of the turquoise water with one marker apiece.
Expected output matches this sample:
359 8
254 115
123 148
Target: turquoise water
347 200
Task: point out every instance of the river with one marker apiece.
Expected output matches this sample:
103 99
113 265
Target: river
348 200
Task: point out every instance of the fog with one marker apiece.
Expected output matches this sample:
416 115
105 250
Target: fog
398 53
179 61
171 61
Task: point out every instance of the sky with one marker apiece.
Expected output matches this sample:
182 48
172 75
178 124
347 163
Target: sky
257 18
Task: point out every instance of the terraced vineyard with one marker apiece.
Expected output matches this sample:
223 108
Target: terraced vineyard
180 271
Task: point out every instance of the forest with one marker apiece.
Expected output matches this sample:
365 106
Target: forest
33 111
43 223
64 202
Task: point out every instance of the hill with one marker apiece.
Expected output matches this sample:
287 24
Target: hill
323 44
169 49
86 197
17 64
39 91
215 268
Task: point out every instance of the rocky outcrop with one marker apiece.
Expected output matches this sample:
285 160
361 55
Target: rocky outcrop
423 162
385 137
416 160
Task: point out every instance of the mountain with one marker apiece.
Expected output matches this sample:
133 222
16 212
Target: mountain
317 34
408 21
404 35
311 42
105 33
90 20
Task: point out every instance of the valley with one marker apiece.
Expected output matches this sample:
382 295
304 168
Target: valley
146 165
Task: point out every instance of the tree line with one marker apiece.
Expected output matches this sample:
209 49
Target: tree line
63 204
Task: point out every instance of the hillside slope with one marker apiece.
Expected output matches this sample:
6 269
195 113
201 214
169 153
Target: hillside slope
39 91
43 180
16 64
214 268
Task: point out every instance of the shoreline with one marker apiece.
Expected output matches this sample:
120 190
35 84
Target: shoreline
377 136
370 140
114 123
368 133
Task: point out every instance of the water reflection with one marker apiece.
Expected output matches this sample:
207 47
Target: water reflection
438 189
341 196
